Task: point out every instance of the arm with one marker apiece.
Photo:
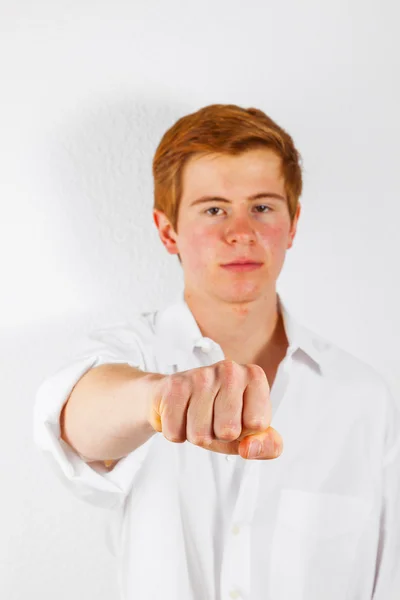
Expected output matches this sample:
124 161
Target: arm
106 414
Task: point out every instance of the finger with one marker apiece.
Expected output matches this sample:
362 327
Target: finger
257 410
199 419
228 405
169 408
223 447
271 445
156 421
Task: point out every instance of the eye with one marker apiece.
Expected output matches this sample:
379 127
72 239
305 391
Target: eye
212 208
258 206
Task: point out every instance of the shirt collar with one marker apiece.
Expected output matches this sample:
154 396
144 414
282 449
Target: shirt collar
178 334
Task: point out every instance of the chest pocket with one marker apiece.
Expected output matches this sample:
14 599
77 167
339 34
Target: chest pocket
314 545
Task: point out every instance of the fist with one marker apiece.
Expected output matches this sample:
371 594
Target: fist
224 407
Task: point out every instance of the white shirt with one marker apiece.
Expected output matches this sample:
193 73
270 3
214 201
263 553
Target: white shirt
321 522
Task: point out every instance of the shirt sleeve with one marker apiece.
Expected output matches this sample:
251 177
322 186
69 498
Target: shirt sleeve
89 481
387 578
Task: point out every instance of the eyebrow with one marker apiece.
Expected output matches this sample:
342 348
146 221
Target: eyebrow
258 196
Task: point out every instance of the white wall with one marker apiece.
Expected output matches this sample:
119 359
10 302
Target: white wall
88 88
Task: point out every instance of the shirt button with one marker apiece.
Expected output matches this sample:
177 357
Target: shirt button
205 345
206 348
235 529
229 457
234 594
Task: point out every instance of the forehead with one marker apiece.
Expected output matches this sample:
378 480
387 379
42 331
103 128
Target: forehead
250 171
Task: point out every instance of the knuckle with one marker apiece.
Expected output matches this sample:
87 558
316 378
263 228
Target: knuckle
228 432
175 438
177 384
256 372
198 439
192 438
229 366
256 423
229 373
204 377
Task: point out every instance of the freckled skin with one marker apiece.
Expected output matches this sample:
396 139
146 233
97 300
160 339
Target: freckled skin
204 241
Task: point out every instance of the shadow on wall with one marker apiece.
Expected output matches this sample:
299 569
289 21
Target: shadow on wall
100 162
102 158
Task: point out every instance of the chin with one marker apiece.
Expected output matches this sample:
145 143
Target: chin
240 295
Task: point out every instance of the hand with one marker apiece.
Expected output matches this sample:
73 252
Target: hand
222 407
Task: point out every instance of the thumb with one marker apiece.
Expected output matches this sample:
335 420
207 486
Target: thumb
268 444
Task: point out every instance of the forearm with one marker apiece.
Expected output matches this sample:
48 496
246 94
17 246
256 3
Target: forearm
106 415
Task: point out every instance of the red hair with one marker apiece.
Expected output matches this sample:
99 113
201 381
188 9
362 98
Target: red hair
224 129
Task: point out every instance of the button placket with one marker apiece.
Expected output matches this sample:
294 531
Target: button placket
236 562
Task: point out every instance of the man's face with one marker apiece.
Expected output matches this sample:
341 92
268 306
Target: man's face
216 232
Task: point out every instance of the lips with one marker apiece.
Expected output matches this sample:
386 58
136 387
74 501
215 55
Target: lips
241 267
242 262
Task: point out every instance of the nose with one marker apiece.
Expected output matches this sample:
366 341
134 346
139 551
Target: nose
241 229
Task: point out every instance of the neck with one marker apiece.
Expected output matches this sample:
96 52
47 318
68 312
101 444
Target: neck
248 333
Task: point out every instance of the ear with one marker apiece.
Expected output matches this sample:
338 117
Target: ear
166 232
293 227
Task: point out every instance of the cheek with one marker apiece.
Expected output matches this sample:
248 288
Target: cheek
275 237
199 246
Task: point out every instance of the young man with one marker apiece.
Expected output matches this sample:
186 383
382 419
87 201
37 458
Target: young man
177 396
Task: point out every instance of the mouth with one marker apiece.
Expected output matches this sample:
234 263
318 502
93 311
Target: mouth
242 266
